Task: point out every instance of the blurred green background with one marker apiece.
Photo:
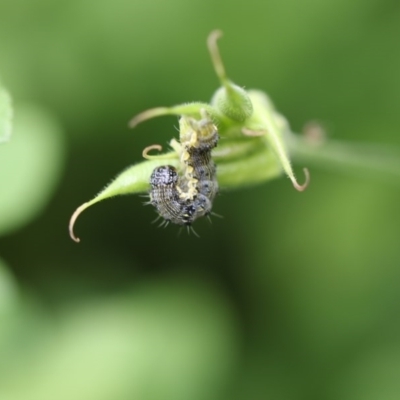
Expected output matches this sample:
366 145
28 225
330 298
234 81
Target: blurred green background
289 296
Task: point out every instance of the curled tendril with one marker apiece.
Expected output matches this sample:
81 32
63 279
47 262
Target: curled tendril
303 187
148 114
74 217
216 55
145 153
260 133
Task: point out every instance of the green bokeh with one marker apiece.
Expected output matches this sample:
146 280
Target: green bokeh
289 296
30 166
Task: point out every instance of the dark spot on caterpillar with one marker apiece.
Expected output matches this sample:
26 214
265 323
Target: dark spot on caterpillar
183 198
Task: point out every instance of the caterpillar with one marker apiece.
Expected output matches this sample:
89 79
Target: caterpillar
182 198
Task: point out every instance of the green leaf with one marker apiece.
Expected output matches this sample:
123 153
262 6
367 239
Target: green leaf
134 179
272 126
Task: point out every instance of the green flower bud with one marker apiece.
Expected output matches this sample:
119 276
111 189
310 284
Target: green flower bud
233 101
230 99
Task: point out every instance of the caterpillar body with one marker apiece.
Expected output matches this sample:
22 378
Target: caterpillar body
182 198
